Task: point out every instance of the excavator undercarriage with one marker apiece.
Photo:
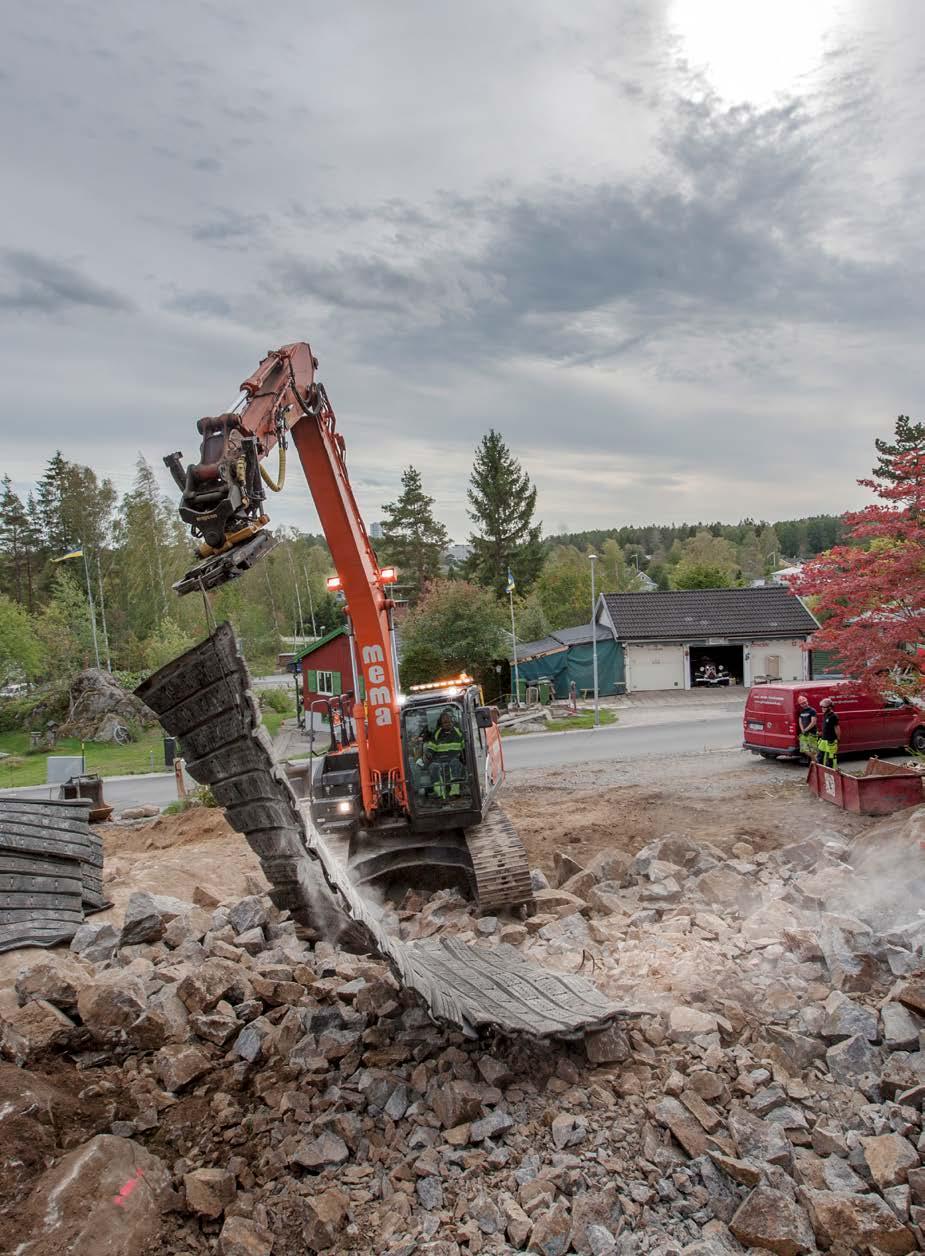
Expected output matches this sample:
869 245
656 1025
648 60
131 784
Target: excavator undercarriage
204 698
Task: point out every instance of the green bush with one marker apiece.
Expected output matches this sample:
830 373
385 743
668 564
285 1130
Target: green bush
34 710
280 700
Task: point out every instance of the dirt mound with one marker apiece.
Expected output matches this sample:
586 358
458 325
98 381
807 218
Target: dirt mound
189 828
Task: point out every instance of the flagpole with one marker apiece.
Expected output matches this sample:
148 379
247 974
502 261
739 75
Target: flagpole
99 576
510 594
96 647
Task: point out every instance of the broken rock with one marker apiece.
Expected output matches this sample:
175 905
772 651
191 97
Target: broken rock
148 915
178 1065
551 1233
857 1222
326 1216
687 1023
111 1003
58 982
769 1219
241 1237
851 1058
25 1031
209 1191
889 1157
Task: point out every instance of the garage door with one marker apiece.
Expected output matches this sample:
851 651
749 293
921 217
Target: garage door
654 667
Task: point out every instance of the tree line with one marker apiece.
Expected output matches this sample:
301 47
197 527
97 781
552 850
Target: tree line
134 548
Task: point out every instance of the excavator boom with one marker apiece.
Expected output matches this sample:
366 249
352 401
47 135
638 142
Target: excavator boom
410 797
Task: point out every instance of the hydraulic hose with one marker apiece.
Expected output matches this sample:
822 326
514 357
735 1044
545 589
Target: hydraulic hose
275 486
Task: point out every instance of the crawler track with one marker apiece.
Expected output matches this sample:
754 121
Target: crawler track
204 698
499 861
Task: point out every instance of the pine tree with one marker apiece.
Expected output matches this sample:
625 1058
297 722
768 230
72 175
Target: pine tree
412 539
145 530
16 545
51 495
909 438
503 502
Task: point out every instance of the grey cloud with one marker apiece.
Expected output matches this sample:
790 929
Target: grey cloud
732 230
359 283
228 226
40 284
200 304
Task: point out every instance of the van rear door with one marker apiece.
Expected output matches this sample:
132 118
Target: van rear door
769 721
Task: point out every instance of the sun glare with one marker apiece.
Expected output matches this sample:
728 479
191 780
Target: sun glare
753 51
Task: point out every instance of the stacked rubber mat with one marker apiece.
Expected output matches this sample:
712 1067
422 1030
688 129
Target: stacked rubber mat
51 871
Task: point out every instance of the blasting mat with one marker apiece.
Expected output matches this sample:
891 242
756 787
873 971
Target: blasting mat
50 870
204 698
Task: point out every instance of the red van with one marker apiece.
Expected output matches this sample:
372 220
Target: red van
770 728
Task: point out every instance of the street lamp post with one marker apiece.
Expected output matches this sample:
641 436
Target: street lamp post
597 709
80 552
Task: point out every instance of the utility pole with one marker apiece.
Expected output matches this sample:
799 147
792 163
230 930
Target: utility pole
510 594
597 709
99 578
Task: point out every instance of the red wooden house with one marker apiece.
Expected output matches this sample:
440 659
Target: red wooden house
325 667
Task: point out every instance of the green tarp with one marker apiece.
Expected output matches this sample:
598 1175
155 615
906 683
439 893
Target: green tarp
575 663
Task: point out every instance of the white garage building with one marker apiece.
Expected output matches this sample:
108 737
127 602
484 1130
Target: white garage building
757 634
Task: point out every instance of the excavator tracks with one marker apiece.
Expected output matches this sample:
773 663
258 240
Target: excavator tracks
499 861
489 857
204 698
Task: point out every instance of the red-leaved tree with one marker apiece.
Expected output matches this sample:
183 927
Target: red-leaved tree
870 596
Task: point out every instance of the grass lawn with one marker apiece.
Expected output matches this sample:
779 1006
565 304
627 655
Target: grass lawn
27 767
568 725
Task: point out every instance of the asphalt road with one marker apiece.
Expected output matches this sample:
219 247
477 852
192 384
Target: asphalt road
544 750
613 742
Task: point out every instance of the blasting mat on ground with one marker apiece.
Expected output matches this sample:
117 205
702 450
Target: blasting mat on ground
51 867
204 698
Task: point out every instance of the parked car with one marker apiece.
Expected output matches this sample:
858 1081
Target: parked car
867 722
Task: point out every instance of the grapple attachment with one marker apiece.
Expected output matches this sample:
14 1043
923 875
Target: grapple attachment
220 568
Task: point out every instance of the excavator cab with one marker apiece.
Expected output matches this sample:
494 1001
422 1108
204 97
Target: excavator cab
447 764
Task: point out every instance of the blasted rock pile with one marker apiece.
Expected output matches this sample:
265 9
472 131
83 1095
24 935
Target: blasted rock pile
266 1096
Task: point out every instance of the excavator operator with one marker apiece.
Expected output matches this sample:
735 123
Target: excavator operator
445 753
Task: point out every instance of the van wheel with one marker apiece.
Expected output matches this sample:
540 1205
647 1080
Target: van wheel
918 740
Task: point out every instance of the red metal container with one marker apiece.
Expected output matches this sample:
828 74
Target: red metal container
882 789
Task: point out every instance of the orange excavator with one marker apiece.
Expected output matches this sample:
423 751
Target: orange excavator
411 778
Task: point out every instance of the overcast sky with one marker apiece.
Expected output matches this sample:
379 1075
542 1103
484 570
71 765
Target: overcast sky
671 249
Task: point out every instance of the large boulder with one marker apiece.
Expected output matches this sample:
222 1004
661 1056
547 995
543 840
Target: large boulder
99 705
106 1196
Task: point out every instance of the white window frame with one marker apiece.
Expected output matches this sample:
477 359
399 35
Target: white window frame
324 682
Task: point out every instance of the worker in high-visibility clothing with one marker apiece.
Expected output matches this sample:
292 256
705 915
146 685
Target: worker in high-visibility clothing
445 753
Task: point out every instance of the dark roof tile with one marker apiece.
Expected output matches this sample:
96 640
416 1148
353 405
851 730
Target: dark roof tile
678 614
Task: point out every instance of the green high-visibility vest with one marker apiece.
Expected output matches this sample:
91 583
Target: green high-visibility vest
446 743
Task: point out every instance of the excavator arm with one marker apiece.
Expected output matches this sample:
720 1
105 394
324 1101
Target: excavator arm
224 504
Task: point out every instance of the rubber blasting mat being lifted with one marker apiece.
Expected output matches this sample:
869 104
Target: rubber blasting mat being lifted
204 698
